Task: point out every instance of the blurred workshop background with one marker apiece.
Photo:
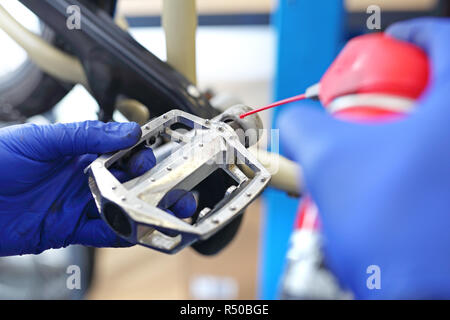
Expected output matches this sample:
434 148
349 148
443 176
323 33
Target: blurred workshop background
254 51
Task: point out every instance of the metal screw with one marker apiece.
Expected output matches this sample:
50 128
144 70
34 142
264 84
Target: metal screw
165 116
123 199
193 91
152 179
207 122
185 157
204 212
248 194
147 128
169 168
200 145
233 208
114 188
215 220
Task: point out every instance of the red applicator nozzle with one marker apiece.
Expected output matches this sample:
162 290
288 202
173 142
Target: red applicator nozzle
275 104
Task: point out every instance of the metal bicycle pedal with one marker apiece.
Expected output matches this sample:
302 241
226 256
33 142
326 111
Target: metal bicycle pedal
133 209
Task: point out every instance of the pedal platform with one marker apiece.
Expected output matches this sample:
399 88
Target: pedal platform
133 209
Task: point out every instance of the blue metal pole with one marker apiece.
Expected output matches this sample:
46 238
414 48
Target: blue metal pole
310 33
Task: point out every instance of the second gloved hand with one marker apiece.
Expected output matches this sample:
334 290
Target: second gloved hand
383 191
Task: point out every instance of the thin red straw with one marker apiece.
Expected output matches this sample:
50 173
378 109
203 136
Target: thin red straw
275 104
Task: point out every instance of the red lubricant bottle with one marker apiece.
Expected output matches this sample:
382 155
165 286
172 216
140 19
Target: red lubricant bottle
374 79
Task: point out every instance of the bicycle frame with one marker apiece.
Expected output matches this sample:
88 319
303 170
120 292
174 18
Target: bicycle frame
116 64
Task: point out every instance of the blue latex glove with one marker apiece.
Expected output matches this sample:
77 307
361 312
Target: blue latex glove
45 201
383 190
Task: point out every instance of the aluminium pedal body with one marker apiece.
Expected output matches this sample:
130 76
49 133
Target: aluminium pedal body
133 208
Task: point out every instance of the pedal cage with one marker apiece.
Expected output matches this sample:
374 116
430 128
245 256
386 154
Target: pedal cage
132 209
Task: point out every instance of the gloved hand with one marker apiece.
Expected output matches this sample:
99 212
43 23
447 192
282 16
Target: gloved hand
383 190
45 201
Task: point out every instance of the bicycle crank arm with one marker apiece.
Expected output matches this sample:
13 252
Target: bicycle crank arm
135 209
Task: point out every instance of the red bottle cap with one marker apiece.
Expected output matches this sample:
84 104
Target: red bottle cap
376 63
